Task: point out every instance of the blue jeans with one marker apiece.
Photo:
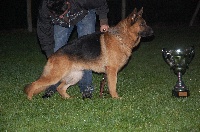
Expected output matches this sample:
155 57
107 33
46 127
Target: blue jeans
84 27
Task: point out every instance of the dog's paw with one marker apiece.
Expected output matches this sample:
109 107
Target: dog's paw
117 97
66 96
26 89
29 97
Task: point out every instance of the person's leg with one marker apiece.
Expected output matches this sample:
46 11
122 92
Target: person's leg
61 36
87 24
84 27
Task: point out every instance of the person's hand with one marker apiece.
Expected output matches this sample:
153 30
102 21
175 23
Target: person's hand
104 28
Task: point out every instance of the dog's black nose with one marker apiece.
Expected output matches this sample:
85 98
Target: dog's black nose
152 31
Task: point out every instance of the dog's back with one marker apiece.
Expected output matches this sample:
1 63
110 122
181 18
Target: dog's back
85 48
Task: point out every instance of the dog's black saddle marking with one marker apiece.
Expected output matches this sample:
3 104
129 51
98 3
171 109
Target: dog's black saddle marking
85 48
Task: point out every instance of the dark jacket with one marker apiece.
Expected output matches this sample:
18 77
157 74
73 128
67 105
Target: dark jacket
45 30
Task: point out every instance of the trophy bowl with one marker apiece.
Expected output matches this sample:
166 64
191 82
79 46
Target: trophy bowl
179 60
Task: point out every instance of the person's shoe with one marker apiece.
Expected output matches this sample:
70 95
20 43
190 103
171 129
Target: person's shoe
87 93
49 92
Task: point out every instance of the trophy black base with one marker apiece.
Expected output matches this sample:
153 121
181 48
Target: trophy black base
184 93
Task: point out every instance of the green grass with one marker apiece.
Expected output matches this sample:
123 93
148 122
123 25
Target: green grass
145 86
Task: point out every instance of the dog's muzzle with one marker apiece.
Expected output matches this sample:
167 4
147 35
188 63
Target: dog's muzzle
147 32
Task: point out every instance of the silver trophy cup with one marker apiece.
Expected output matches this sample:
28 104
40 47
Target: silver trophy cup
179 60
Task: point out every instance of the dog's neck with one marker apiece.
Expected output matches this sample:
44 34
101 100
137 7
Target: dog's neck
119 38
117 33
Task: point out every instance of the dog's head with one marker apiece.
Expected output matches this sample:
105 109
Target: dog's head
138 24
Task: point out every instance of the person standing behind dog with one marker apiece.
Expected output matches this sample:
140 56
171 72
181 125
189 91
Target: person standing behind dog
55 23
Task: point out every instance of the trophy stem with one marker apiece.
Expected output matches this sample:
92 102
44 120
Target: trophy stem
180 82
180 89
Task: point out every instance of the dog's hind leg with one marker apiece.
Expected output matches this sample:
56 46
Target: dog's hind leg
38 86
112 81
56 68
71 79
62 90
46 80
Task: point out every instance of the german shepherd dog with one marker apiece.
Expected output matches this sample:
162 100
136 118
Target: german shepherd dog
104 52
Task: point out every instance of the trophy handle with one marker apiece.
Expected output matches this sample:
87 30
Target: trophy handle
191 55
167 57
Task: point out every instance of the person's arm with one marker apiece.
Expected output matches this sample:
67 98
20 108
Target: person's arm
45 30
101 8
102 11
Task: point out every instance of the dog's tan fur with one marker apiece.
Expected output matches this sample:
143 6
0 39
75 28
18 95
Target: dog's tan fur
116 48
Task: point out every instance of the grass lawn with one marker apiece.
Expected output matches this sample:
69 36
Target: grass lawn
145 86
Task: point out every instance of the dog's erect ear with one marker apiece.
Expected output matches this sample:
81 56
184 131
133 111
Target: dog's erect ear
135 11
140 12
133 16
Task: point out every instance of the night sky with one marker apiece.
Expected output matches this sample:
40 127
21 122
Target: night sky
13 13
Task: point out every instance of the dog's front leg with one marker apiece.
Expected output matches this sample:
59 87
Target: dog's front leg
112 81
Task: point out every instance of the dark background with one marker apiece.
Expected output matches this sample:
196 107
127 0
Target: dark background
156 12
